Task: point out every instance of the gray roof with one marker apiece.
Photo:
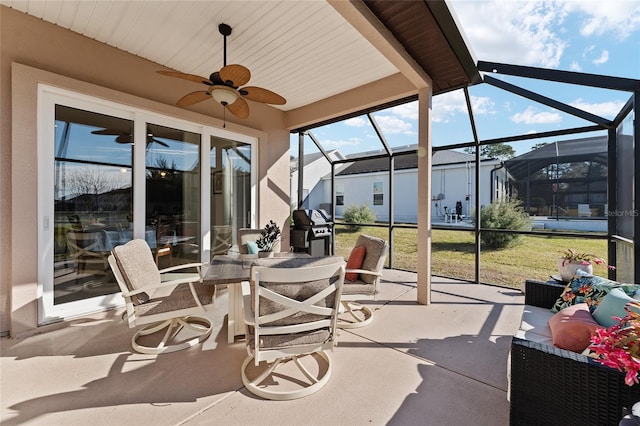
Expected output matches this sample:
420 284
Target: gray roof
406 161
310 158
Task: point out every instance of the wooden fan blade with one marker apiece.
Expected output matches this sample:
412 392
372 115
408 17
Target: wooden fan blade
109 132
240 108
190 77
236 74
194 98
123 139
258 94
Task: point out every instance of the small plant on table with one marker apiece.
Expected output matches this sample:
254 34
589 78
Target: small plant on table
269 236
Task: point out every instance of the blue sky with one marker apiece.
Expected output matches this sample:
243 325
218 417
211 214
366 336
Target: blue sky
596 37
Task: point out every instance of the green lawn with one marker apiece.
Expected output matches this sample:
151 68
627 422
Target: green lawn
453 254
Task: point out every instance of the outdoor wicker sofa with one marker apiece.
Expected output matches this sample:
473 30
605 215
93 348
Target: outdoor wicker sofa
552 386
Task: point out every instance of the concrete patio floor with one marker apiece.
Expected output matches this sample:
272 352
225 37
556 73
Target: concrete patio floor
442 364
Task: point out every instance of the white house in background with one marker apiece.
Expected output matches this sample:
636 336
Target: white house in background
315 168
367 182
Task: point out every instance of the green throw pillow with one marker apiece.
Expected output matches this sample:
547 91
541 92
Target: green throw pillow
612 305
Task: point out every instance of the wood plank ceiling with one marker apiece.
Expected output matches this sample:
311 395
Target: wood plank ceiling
304 50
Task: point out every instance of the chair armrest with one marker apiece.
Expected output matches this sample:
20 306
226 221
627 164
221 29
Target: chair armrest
541 294
194 277
363 271
183 266
249 318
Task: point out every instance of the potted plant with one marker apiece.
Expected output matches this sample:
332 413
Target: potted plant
572 260
269 240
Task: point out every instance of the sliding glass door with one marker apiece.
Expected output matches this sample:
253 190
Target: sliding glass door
109 173
231 183
172 208
92 200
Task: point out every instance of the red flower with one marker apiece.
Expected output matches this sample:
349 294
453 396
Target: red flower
618 347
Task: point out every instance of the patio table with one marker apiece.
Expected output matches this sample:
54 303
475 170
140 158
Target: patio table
231 270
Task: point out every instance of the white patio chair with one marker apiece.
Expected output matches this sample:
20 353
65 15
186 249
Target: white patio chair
221 239
362 280
250 234
87 248
165 235
162 301
247 234
291 307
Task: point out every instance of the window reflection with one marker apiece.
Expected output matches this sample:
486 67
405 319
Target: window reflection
172 195
93 200
231 192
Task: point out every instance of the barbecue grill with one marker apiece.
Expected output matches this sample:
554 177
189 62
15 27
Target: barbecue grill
312 232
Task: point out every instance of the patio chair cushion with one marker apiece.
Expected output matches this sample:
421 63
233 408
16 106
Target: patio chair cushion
298 291
589 289
135 260
572 328
374 250
355 262
289 340
534 325
171 299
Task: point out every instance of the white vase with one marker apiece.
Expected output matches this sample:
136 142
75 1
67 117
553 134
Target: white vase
263 254
568 269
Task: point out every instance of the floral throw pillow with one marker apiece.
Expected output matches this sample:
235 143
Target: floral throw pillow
589 289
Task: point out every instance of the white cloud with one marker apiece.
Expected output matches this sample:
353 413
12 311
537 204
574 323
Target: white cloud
589 53
532 116
603 109
620 18
535 33
482 105
333 143
408 110
393 125
575 66
520 32
604 57
447 105
355 122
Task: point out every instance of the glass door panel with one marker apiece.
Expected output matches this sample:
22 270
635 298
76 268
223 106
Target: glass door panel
231 191
92 201
173 205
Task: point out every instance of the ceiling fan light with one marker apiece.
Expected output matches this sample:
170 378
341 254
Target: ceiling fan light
224 95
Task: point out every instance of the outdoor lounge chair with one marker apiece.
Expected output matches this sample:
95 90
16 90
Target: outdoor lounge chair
291 306
162 301
364 270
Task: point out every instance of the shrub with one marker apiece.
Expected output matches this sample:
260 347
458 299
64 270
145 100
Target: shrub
358 214
503 215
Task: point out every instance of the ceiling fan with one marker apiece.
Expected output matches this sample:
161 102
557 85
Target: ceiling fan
224 86
123 137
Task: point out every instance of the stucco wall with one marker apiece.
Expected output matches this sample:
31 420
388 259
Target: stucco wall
33 51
